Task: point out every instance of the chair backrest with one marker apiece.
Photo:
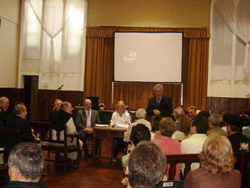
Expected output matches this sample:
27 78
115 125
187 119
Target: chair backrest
8 139
187 159
44 131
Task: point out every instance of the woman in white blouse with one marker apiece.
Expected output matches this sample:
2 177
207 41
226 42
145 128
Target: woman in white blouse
120 118
184 125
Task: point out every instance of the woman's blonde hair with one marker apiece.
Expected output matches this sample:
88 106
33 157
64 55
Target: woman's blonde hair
167 127
217 155
121 103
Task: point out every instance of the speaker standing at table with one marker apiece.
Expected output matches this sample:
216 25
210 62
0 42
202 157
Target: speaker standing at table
85 121
120 118
160 104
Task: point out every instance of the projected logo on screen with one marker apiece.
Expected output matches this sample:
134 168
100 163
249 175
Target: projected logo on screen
131 57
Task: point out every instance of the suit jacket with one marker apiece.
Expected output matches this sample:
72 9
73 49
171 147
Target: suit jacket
17 122
81 119
3 114
165 106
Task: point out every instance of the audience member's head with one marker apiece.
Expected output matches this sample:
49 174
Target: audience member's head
26 162
158 90
87 104
184 124
191 112
146 165
199 125
67 107
4 103
247 113
120 107
139 133
235 124
167 127
141 113
178 112
57 104
155 123
225 116
217 155
214 120
20 110
204 113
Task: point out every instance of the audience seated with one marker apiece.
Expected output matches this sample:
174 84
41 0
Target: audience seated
194 143
146 166
26 165
19 121
214 121
184 125
217 166
141 119
4 103
166 143
64 116
191 112
177 113
85 122
234 128
139 133
120 118
56 108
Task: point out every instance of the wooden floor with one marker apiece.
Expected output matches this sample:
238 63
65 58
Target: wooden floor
106 174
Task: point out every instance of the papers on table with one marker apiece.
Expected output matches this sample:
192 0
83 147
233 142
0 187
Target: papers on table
101 125
124 126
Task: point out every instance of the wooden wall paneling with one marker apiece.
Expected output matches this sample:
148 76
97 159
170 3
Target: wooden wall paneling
234 105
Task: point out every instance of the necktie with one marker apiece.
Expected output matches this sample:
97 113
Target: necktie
158 101
88 119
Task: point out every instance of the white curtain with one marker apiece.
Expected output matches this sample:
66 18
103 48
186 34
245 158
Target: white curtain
53 42
229 62
236 14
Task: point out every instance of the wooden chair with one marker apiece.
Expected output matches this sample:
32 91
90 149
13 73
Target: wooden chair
8 139
44 131
187 159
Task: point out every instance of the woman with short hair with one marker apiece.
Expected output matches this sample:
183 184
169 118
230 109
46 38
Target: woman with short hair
166 143
184 124
217 166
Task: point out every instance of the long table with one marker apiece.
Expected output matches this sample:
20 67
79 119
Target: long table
104 133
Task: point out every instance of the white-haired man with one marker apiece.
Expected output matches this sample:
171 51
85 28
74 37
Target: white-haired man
26 166
159 104
64 116
141 119
177 113
4 103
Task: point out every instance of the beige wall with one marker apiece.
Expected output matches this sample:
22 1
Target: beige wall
149 13
9 42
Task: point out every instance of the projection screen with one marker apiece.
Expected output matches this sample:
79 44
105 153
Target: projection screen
148 57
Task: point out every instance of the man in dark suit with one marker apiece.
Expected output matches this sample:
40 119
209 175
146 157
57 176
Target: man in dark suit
4 104
160 104
85 121
19 121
